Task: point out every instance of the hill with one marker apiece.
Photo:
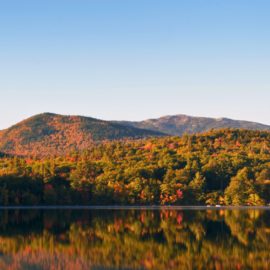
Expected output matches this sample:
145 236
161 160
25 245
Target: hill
49 133
179 124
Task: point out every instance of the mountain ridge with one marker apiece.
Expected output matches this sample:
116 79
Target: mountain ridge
48 133
180 123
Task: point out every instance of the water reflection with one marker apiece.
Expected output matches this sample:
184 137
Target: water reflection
134 239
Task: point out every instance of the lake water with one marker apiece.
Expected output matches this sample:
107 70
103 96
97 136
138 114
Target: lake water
134 239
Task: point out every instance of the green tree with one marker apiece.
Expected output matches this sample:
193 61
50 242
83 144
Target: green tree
197 186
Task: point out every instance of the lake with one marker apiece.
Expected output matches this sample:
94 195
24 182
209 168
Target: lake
163 238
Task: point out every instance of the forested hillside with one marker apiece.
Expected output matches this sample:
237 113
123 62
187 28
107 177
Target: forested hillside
179 124
224 166
49 133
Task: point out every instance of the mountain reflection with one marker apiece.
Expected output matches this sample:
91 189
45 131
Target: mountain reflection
134 239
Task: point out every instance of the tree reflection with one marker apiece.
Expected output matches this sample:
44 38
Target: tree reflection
134 239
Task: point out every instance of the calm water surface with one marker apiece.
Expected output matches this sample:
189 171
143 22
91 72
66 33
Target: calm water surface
134 239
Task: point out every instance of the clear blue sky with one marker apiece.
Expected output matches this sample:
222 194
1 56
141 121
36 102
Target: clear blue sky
135 59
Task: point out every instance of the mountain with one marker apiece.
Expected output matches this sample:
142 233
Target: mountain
48 133
179 124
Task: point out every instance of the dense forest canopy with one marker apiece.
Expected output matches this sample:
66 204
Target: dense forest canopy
49 133
224 166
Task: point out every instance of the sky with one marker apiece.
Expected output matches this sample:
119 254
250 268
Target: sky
134 59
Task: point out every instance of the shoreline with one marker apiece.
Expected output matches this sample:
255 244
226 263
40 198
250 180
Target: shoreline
156 207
